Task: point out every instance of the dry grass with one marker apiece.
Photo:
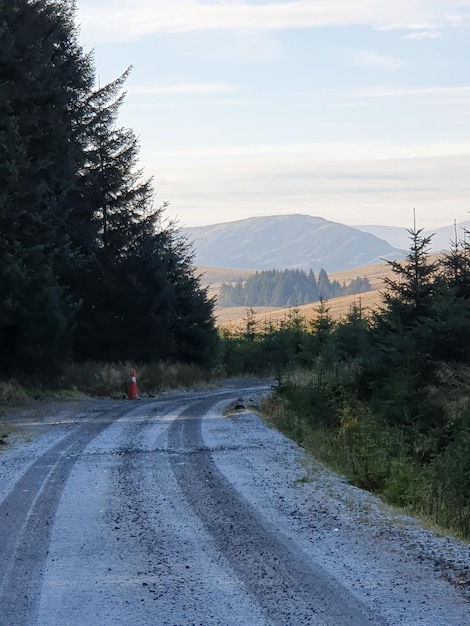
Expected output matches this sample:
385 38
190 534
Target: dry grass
213 277
339 307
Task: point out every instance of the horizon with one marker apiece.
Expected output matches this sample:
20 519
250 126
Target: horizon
357 226
354 111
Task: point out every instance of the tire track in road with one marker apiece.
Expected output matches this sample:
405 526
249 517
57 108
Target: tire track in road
27 515
183 577
287 587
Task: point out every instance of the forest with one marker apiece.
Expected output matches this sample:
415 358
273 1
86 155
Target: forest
90 268
288 287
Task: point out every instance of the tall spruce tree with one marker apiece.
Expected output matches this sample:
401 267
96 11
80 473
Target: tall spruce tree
140 297
114 204
410 293
44 78
400 367
455 267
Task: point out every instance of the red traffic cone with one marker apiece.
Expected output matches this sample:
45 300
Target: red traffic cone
132 386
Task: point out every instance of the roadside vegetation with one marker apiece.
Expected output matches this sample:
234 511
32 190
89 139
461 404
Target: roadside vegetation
383 398
104 379
94 281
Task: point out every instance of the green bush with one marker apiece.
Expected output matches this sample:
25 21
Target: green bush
427 473
451 484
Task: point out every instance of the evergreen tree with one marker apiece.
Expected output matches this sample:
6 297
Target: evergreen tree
455 267
447 332
44 78
324 285
322 328
409 294
400 367
352 335
140 298
188 306
81 245
285 288
116 206
120 197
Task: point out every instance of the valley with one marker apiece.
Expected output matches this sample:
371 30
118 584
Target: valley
213 277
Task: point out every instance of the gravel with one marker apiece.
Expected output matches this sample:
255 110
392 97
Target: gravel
409 574
134 538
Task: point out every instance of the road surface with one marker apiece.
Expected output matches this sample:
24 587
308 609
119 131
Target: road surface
167 511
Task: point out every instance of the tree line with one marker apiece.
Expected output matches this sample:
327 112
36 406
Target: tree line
381 395
289 287
90 268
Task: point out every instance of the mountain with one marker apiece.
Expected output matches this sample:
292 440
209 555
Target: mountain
287 242
400 237
395 236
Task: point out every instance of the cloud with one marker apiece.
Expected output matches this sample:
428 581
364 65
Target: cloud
459 93
131 19
346 191
348 182
375 60
184 88
421 35
319 151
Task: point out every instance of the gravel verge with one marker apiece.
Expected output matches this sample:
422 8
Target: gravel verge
409 574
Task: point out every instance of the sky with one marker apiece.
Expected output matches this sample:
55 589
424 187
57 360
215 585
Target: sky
357 111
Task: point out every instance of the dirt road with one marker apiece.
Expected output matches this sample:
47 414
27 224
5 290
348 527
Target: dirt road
166 512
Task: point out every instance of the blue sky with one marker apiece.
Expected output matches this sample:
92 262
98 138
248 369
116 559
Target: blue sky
357 111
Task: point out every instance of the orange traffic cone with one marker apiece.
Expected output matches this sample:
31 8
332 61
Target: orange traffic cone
132 386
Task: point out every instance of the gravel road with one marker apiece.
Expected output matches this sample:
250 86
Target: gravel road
167 511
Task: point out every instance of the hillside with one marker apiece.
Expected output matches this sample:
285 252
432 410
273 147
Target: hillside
212 278
441 238
287 242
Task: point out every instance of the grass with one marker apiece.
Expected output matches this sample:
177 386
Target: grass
369 454
213 277
99 379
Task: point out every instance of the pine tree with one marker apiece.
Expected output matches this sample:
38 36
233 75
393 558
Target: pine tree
324 285
353 333
44 77
455 267
120 197
181 313
82 246
400 366
140 298
113 204
409 295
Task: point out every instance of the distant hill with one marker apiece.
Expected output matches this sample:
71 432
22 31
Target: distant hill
400 238
287 242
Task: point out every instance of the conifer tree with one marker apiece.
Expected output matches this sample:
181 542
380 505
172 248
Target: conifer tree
44 78
455 267
409 295
140 298
85 258
399 368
